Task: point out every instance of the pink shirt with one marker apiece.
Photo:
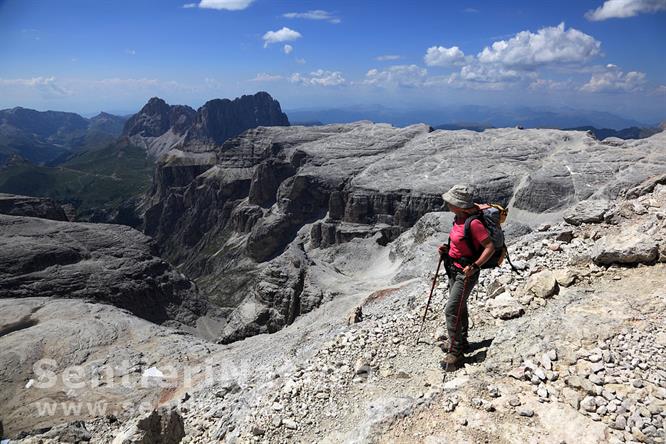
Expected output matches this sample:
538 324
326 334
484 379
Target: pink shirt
459 247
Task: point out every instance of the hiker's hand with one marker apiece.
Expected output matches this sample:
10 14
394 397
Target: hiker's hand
443 249
470 271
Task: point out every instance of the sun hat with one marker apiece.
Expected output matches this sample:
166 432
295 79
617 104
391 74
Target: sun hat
459 196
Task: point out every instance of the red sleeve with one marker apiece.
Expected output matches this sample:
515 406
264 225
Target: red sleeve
479 232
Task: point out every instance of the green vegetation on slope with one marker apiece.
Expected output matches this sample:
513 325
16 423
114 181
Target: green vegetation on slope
91 180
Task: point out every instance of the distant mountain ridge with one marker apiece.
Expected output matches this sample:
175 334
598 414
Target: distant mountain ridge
464 116
626 133
43 136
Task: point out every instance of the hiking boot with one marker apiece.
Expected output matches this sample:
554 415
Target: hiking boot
444 346
452 359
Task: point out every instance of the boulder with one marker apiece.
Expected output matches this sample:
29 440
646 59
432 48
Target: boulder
542 284
504 306
161 426
630 247
588 211
565 277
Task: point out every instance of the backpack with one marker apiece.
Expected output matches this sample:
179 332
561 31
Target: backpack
492 216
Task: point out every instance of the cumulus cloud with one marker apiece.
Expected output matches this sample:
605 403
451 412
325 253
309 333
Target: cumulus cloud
624 8
387 57
614 80
490 74
317 14
319 78
441 56
265 77
282 35
398 75
229 5
548 46
287 49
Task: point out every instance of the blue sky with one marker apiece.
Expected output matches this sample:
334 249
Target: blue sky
90 55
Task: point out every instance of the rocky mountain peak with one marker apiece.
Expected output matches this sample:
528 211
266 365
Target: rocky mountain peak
157 117
219 119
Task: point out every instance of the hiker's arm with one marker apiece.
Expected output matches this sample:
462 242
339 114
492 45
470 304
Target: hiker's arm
486 254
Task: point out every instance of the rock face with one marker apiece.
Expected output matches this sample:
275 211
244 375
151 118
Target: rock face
160 127
220 119
227 212
164 426
42 207
113 264
157 117
112 348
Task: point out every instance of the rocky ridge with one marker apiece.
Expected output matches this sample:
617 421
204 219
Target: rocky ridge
242 218
575 364
593 335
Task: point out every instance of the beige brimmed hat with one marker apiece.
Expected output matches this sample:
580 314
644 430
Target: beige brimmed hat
460 196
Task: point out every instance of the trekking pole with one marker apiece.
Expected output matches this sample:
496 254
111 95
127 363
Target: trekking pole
460 304
432 289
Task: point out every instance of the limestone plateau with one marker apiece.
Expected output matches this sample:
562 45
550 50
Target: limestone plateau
243 218
326 237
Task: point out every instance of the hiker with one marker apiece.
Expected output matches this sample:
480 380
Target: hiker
462 266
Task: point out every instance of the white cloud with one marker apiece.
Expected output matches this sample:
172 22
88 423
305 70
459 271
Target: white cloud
614 80
625 8
441 56
398 75
387 57
661 89
301 61
282 35
549 46
551 85
46 86
490 74
470 10
317 14
190 5
319 78
229 5
287 49
130 51
265 77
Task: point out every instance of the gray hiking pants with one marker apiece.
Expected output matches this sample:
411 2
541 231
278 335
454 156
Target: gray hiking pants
456 297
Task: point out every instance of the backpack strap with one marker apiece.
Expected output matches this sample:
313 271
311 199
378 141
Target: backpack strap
468 234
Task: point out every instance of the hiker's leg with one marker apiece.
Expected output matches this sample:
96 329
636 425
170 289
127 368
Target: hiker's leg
465 316
452 304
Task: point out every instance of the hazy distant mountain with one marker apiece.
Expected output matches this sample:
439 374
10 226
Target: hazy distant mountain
626 133
463 126
43 136
481 116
